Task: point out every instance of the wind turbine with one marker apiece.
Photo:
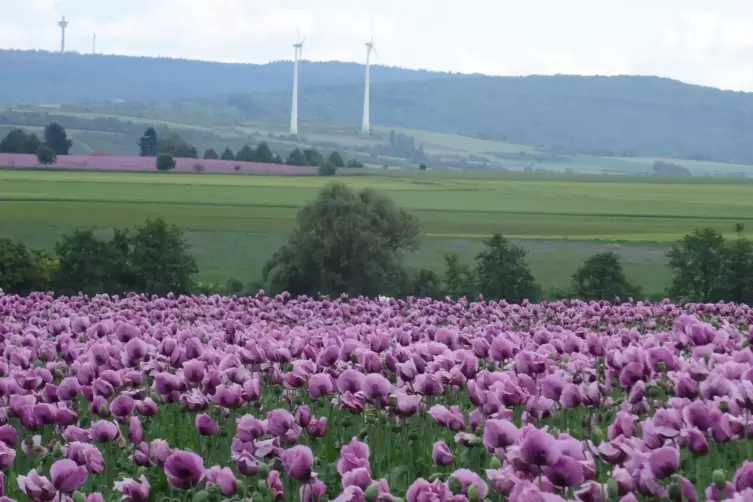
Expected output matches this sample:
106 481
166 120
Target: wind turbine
294 109
366 125
63 25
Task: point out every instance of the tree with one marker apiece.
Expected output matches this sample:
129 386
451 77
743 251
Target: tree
210 154
19 141
739 271
20 270
264 153
165 162
698 263
327 169
246 154
335 159
227 154
56 137
354 163
296 158
12 142
176 146
159 259
502 272
86 264
601 278
345 242
739 229
46 155
148 143
30 144
422 166
313 157
459 281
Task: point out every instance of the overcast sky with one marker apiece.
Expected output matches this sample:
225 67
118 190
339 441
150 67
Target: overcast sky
699 41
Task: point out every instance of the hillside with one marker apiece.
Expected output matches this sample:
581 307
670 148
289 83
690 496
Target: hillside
82 79
559 115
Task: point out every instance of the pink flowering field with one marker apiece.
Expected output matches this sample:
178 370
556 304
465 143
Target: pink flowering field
108 163
274 398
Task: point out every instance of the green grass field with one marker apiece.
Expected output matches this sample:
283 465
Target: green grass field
235 222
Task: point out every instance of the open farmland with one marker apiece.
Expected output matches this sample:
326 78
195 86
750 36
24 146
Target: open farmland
134 163
235 222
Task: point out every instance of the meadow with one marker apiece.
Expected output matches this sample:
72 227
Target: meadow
235 222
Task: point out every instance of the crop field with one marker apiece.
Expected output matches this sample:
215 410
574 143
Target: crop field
283 399
235 222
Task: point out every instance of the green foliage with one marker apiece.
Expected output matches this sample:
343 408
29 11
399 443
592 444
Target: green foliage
176 146
264 153
313 157
459 280
246 154
422 167
327 169
354 163
233 286
210 154
296 158
345 242
21 269
152 259
56 137
739 271
227 154
237 168
198 168
19 141
165 162
148 143
159 259
601 278
698 264
424 283
87 264
336 159
502 272
46 155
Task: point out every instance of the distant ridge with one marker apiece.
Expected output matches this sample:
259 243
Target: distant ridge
623 116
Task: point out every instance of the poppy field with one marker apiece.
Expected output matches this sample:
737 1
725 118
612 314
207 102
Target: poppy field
274 398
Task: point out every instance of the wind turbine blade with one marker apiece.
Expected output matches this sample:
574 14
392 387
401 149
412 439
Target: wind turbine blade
373 48
304 40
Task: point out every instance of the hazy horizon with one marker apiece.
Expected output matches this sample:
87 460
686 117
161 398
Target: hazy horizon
687 40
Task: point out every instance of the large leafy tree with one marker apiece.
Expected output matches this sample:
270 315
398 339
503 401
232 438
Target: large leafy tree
176 146
246 154
699 265
148 143
459 280
296 158
210 154
19 141
601 277
502 272
346 242
57 139
159 259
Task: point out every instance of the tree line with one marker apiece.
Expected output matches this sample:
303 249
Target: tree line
354 243
55 143
172 146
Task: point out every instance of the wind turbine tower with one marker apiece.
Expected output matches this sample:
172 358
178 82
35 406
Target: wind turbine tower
63 25
298 47
366 125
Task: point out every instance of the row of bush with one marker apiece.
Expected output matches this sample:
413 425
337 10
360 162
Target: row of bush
354 243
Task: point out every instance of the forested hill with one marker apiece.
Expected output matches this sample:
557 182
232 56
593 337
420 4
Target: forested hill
611 116
620 116
38 77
